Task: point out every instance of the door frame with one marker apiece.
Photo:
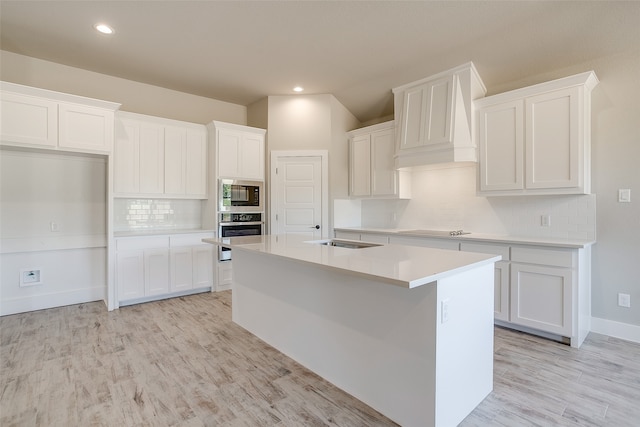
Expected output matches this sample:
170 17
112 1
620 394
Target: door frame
324 167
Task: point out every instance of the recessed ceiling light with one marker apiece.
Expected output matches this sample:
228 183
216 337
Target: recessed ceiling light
298 89
104 28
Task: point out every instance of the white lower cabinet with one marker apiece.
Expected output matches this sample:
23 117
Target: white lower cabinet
427 242
374 238
225 276
130 275
501 299
181 269
149 268
501 291
156 271
203 259
347 235
544 290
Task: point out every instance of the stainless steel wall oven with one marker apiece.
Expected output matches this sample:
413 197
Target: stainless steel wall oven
235 225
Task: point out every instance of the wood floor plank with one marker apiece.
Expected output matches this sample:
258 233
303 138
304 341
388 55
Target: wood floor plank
183 362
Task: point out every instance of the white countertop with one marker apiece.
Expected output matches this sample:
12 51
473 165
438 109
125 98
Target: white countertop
478 237
400 265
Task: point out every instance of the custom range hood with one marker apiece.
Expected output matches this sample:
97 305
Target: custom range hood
434 118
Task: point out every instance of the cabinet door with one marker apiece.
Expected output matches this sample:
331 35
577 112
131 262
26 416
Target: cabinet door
228 153
175 165
501 301
501 146
426 242
553 140
126 175
151 159
156 271
196 164
383 171
437 123
413 111
130 275
203 266
252 157
225 276
360 166
541 298
28 120
85 128
181 269
347 235
374 238
426 114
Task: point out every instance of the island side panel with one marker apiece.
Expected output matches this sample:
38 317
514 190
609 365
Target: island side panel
374 340
464 374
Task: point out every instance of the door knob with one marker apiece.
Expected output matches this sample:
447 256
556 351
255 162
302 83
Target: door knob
317 227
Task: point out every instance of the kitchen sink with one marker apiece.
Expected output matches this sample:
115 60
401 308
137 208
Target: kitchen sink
349 244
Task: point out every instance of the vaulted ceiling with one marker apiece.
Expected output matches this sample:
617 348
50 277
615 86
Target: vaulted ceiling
242 51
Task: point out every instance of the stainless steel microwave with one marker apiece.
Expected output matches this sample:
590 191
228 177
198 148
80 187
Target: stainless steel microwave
240 196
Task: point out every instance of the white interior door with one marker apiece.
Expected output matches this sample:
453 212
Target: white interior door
298 194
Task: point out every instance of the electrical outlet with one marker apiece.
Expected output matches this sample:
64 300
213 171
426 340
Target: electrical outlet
444 313
624 300
545 220
624 195
54 226
30 277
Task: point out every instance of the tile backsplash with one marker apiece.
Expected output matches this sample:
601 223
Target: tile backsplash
445 199
145 214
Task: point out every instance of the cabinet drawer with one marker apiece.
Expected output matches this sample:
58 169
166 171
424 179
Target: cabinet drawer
426 242
140 243
189 239
347 235
374 238
552 257
484 248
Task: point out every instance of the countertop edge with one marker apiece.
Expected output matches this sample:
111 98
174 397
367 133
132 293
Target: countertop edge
480 237
414 283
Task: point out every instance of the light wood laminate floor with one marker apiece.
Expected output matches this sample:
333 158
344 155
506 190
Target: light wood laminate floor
183 362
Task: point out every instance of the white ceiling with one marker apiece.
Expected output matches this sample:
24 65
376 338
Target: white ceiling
240 51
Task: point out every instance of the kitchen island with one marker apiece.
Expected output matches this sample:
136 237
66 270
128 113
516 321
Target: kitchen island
407 330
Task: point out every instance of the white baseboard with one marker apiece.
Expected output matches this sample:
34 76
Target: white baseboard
59 299
615 329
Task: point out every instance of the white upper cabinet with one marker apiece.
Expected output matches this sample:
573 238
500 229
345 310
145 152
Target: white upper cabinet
41 118
85 128
185 160
434 120
536 140
501 159
159 158
151 159
240 151
372 171
360 166
29 120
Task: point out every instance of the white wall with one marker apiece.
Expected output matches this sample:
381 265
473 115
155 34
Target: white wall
313 122
445 198
37 189
135 97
